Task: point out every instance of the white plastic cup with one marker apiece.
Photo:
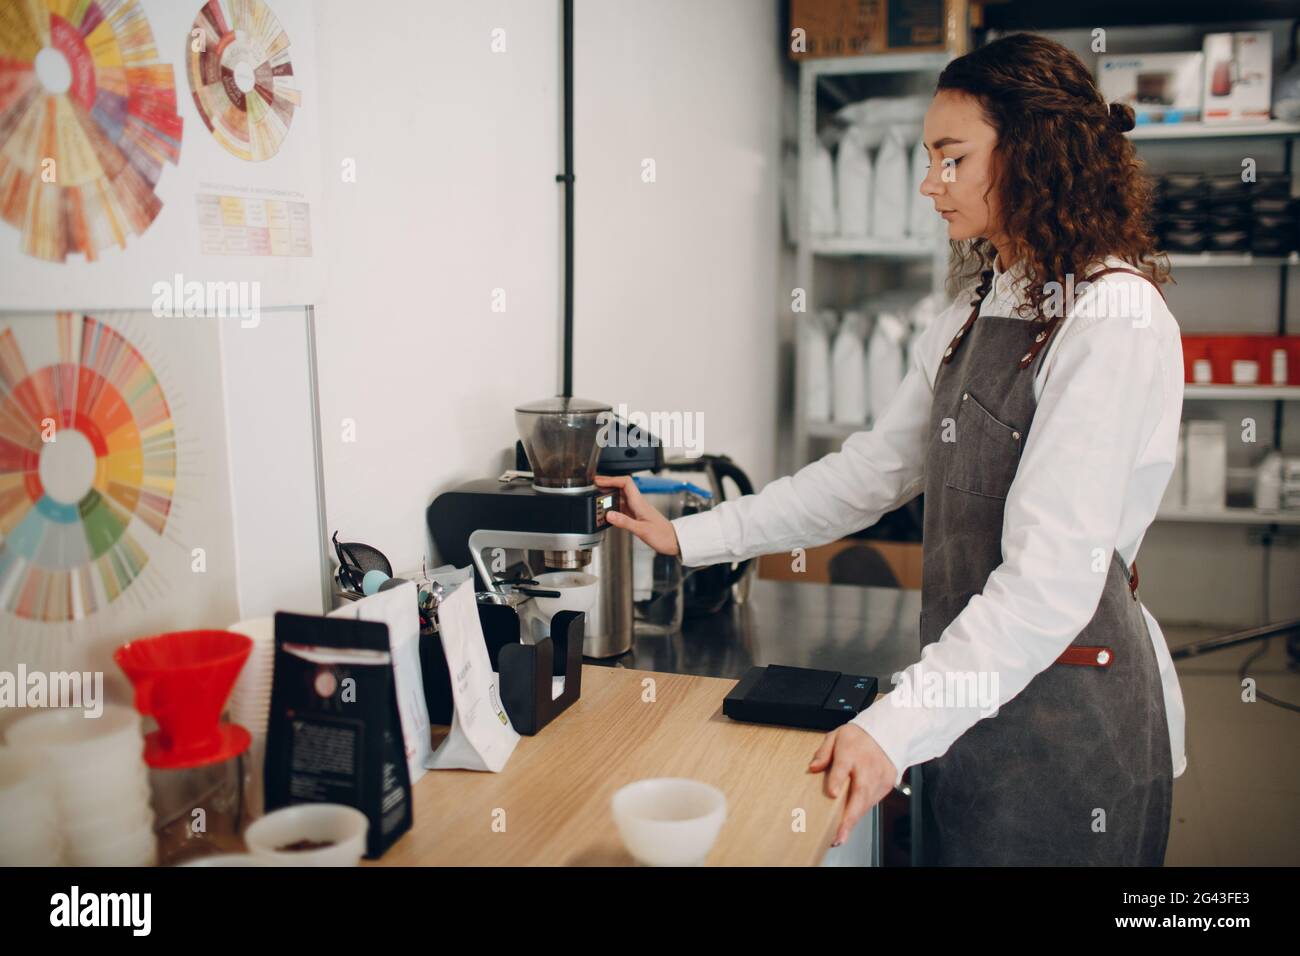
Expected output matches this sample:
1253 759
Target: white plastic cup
72 739
669 821
29 819
345 827
26 783
89 801
250 700
108 825
137 848
36 847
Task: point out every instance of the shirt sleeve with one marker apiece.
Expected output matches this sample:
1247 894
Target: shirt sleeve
874 472
1060 526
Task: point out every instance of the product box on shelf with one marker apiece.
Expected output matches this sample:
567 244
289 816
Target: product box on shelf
1241 359
1161 87
1206 474
822 28
1238 77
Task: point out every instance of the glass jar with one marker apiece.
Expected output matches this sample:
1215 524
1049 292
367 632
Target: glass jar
199 811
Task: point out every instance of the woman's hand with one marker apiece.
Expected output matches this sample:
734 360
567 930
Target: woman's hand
851 757
639 516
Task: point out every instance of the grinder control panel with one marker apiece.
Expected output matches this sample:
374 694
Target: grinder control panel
608 501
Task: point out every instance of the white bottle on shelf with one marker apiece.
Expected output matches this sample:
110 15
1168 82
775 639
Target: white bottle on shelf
848 371
892 190
815 332
1268 482
885 360
853 184
821 213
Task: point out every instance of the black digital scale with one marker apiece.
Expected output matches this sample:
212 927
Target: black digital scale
799 697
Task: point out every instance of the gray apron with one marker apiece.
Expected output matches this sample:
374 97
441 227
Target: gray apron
1076 769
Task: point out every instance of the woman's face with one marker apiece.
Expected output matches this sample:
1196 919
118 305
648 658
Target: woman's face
960 142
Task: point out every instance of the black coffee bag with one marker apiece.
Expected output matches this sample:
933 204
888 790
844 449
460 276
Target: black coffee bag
335 735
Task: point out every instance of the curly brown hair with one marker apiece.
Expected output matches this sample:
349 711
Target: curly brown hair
1070 189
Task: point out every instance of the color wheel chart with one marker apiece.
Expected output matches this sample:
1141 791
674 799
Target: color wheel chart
87 468
99 528
242 78
87 121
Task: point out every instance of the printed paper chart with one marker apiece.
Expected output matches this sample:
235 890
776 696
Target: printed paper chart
242 226
242 78
79 515
87 121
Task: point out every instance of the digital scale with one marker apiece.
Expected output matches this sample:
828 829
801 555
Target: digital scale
799 697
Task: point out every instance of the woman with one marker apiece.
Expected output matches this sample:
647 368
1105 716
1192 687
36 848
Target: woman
1040 418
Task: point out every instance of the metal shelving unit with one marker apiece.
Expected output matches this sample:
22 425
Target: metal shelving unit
1154 131
1242 393
1237 516
832 74
1278 395
1203 260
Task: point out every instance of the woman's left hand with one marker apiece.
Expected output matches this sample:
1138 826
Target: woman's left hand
851 757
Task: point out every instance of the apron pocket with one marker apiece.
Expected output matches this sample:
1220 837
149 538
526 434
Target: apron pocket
986 453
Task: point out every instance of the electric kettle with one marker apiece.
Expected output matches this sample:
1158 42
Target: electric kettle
709 589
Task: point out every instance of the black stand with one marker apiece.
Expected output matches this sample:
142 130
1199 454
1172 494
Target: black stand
525 669
1291 629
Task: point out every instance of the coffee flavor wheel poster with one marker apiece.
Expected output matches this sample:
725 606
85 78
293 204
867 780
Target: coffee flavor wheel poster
114 486
242 77
88 123
145 139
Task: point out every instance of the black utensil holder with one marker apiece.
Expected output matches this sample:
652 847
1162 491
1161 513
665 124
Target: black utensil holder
525 670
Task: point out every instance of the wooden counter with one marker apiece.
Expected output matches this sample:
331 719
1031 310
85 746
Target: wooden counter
553 797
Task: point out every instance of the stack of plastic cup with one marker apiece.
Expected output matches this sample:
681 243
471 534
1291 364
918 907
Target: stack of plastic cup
250 701
99 781
29 821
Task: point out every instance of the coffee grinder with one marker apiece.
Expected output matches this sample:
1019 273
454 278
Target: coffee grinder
552 517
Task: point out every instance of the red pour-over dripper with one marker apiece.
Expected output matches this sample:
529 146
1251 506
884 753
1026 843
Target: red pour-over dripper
183 681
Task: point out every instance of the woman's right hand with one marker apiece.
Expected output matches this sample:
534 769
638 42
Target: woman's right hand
639 516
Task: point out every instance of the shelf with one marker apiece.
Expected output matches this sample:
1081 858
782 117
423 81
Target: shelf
1171 131
1244 516
876 63
1244 393
1199 260
902 248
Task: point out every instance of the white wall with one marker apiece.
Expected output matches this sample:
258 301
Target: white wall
455 196
456 150
677 277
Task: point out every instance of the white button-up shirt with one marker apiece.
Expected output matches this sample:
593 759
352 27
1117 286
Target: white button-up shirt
1091 475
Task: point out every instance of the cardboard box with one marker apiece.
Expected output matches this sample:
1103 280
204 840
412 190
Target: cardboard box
1238 84
1161 87
903 559
858 27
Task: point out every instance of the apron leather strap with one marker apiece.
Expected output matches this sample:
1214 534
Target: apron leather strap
1097 656
986 282
1045 336
1049 327
1087 656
